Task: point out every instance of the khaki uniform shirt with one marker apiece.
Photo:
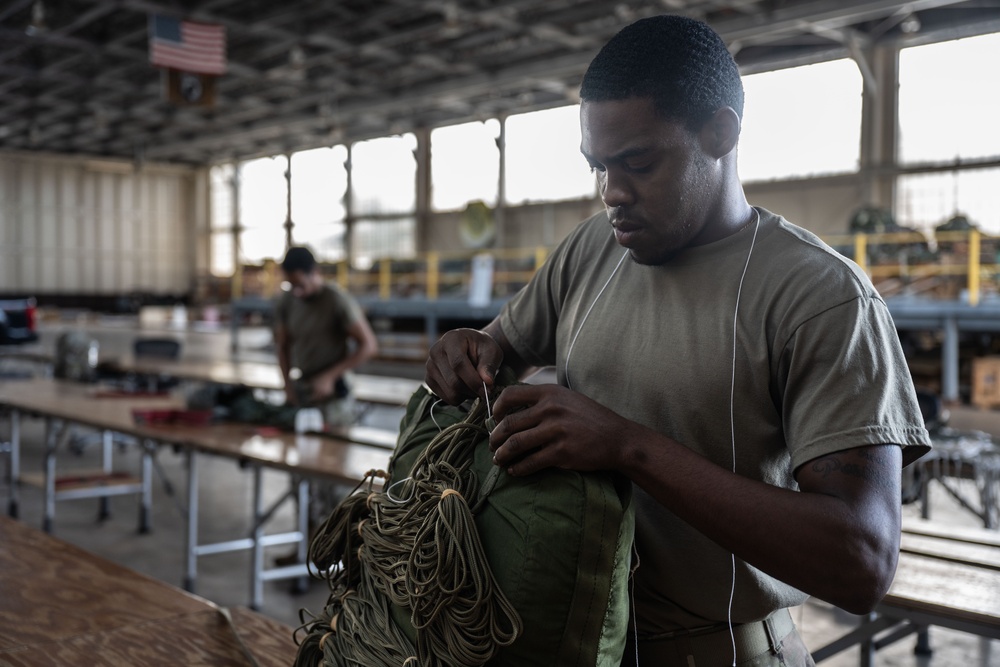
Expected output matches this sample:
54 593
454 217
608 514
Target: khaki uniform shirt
818 369
317 327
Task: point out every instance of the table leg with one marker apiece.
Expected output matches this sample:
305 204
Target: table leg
191 536
985 652
104 511
257 551
146 503
51 442
923 646
991 506
14 471
868 646
302 583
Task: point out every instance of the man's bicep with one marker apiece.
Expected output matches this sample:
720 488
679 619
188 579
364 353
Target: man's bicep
860 476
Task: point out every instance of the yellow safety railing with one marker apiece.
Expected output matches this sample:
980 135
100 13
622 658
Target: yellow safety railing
894 261
911 256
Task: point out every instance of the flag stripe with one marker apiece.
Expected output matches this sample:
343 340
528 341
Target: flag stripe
199 48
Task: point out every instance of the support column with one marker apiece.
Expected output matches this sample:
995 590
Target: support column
949 361
499 214
288 201
349 207
422 155
878 126
237 283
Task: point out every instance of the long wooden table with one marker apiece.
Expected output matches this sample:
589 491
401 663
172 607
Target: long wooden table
60 403
60 604
367 388
303 456
947 577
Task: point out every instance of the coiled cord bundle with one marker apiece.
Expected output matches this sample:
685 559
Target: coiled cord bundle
415 546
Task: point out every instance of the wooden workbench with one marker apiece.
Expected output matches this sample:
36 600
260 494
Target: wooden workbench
303 456
367 388
947 577
62 605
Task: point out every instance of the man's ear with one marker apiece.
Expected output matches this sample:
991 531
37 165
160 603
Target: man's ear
721 133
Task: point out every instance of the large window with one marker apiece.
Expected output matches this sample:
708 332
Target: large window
263 208
948 100
947 112
384 182
543 157
925 201
319 183
384 175
465 165
802 121
223 241
384 238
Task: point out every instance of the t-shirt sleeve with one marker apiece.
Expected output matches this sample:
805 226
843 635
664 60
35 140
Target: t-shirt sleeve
349 310
352 309
846 384
530 318
280 311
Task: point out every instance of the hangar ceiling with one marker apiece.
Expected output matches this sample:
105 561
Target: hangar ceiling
75 75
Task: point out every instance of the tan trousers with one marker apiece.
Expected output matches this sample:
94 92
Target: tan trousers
772 642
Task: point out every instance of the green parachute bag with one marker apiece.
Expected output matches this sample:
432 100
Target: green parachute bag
454 562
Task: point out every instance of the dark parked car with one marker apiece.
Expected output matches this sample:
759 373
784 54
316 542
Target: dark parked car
17 321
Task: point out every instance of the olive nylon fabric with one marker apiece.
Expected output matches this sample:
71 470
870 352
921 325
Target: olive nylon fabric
558 543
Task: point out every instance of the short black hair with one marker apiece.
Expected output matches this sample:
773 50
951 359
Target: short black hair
298 258
679 62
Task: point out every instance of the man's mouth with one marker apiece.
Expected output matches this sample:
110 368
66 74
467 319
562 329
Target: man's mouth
626 231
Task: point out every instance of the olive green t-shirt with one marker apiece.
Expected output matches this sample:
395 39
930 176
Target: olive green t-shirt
317 327
818 369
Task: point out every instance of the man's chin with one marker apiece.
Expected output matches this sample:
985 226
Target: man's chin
648 257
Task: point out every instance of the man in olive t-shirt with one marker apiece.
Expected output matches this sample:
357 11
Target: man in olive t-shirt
746 379
320 333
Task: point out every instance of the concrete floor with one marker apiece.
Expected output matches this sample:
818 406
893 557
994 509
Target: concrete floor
226 498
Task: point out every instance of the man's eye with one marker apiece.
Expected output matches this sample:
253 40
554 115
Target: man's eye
638 168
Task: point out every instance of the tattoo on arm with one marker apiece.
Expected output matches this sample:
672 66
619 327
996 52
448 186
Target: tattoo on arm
840 462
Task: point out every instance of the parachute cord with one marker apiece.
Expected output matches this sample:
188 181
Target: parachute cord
418 549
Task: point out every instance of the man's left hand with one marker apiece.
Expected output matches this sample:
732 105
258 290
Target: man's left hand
322 388
545 426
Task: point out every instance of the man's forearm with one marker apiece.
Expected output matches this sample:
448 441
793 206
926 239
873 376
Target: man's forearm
839 546
284 365
359 355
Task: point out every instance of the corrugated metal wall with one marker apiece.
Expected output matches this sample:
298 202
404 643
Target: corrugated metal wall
77 226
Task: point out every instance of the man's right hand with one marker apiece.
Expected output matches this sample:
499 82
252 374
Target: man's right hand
461 362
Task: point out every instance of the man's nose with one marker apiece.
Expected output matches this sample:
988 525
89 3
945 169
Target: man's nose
616 190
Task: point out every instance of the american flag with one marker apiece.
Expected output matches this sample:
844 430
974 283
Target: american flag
199 48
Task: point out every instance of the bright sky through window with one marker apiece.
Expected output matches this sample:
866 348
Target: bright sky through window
465 164
319 183
263 208
925 201
384 173
948 100
543 157
949 94
803 121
